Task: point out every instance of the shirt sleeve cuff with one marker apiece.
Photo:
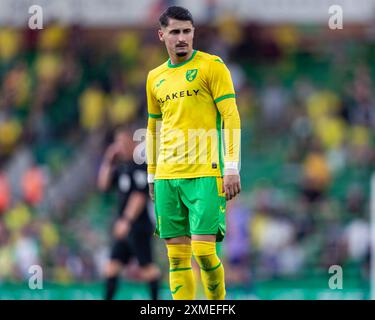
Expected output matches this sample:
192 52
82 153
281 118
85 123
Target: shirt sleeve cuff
150 178
231 168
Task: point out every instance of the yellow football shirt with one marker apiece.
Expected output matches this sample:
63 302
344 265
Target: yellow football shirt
187 105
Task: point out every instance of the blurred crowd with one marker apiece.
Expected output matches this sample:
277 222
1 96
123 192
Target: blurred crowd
308 116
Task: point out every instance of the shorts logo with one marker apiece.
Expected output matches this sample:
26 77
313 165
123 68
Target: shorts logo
222 209
191 74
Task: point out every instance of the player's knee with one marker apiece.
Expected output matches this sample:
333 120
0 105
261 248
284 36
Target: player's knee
150 272
178 240
203 248
179 256
203 252
179 250
112 268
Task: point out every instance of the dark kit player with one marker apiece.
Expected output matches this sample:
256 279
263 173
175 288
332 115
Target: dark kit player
133 228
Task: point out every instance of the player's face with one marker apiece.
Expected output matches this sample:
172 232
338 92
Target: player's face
125 144
178 37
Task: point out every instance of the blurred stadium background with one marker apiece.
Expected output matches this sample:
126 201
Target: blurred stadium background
307 105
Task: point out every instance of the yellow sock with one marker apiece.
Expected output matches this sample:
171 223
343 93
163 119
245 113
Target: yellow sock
199 291
212 270
181 280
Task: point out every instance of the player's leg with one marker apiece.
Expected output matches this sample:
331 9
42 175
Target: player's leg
172 224
200 294
141 242
212 270
151 274
206 204
111 273
181 277
120 255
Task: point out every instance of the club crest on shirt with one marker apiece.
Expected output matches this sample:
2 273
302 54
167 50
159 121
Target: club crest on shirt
191 74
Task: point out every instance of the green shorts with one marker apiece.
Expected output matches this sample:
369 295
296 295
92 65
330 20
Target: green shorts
190 206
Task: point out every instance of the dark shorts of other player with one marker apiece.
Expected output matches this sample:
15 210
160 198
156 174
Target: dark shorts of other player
136 245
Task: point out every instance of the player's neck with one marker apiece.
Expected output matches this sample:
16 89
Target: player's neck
177 60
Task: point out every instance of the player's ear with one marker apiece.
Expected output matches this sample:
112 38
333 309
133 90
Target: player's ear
161 35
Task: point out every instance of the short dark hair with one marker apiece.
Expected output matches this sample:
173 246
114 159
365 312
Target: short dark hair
174 12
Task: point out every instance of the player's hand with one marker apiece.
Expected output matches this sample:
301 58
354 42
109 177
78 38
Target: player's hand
121 229
231 185
151 191
111 153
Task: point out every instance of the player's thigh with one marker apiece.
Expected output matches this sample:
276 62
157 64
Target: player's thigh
141 244
143 251
121 251
207 206
171 213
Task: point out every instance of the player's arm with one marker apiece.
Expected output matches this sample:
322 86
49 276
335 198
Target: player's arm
135 205
223 93
152 136
106 168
